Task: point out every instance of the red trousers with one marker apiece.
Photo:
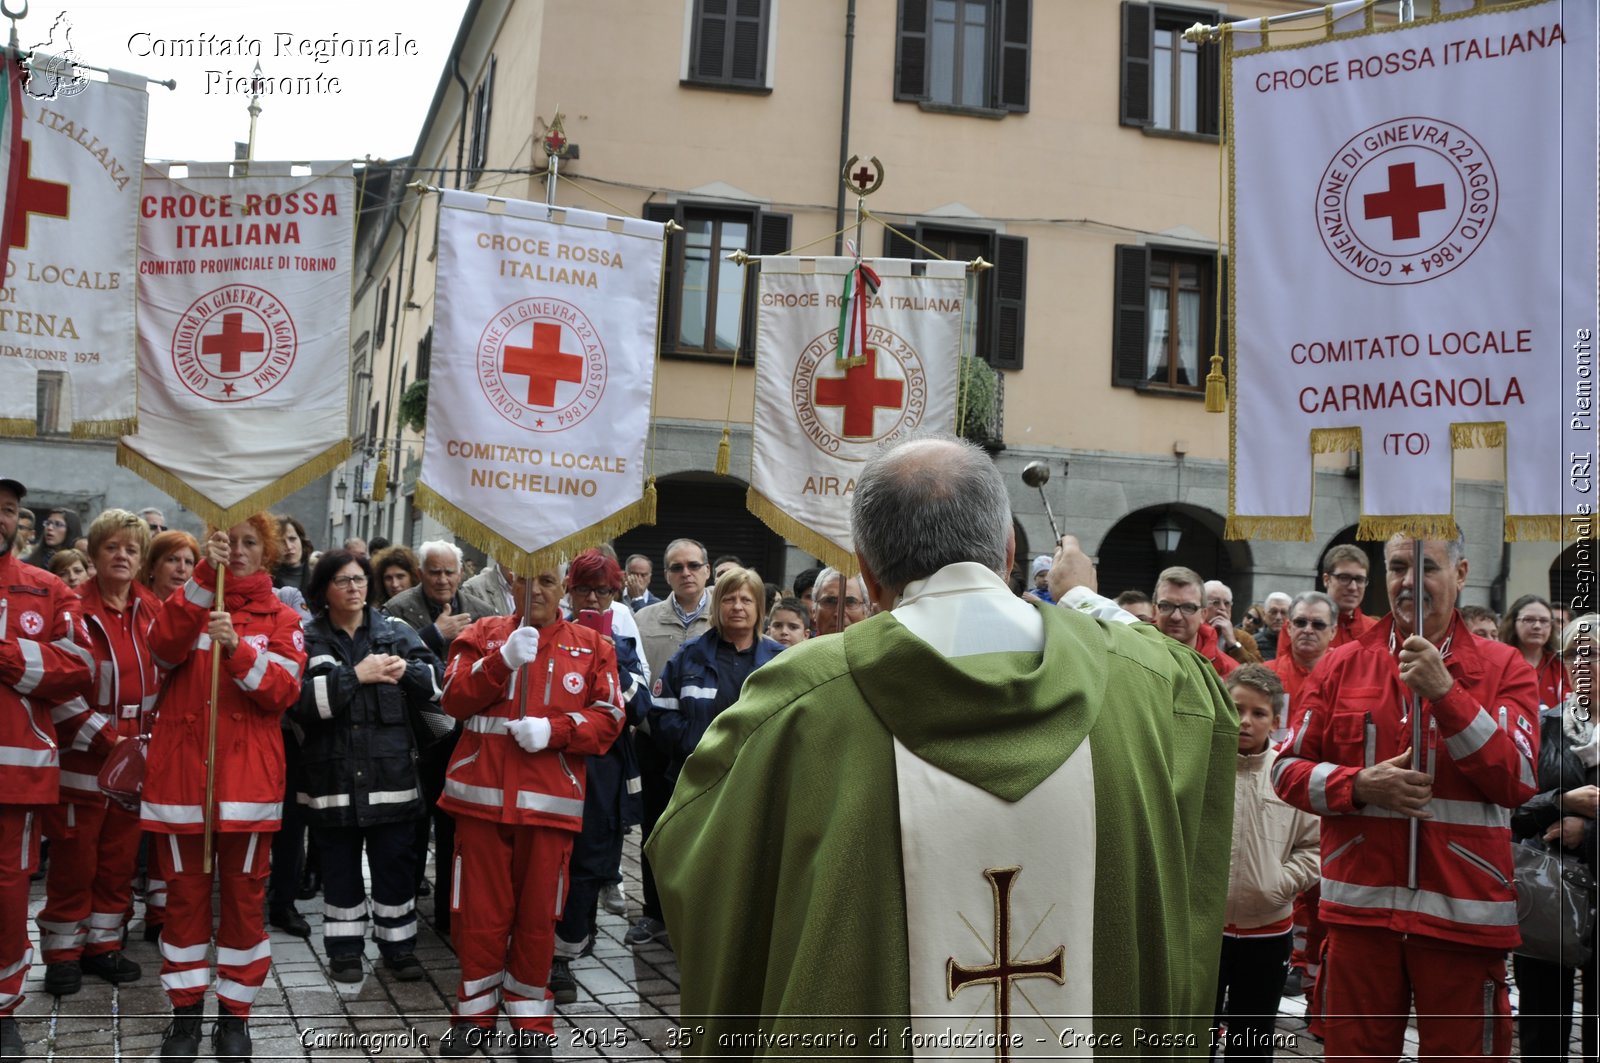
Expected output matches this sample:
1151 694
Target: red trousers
1309 933
19 855
507 888
1371 977
244 953
93 850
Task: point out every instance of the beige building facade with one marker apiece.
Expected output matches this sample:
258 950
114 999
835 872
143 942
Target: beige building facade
1072 143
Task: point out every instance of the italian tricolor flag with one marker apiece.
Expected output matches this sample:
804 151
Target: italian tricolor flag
10 145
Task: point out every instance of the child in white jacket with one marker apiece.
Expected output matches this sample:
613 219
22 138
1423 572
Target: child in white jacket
1275 856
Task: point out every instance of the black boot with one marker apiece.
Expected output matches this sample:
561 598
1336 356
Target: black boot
182 1040
230 1039
465 1039
10 1038
532 1047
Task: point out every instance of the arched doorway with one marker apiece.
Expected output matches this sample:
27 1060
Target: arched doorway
1572 577
710 509
1129 559
1376 601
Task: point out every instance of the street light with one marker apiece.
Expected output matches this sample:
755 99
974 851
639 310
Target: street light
1167 534
341 488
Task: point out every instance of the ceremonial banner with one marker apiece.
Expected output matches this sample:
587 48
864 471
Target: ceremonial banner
73 215
1406 202
244 321
543 366
818 420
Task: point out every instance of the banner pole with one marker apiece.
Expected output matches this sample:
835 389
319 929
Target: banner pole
211 727
526 673
1418 600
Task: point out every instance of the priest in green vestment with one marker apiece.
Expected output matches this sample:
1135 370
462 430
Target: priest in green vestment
967 827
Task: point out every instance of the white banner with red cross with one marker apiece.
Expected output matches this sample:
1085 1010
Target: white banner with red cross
543 368
818 416
1406 204
244 323
67 308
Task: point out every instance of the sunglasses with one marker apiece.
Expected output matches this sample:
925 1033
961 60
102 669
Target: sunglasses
1303 622
686 566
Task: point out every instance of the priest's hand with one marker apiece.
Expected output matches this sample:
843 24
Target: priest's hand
1391 784
1072 568
532 733
221 631
521 647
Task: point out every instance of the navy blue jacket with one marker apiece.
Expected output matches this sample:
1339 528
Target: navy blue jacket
688 696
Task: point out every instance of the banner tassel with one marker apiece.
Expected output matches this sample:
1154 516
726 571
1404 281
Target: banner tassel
648 515
724 453
1216 387
380 480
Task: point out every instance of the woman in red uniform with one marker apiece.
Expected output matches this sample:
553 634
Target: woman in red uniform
94 842
1529 625
262 659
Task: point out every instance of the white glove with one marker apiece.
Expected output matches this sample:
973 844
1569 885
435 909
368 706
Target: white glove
531 732
520 648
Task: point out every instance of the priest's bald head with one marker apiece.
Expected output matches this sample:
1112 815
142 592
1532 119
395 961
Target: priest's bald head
925 503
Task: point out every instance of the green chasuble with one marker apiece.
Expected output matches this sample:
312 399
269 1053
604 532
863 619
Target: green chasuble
782 863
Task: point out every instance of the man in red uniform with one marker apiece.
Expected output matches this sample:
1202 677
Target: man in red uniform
1309 631
1344 574
536 695
43 661
1416 864
1179 593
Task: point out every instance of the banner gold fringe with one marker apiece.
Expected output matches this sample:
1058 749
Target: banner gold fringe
21 427
1530 528
1283 529
1216 387
649 503
1333 440
1482 434
1416 526
126 426
814 543
724 454
522 562
216 515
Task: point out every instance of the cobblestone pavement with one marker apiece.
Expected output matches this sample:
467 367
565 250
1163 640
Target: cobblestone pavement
627 1002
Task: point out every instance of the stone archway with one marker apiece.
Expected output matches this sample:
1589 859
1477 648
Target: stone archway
1376 601
1128 559
710 509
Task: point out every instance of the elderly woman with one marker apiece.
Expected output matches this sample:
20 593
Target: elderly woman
169 562
262 655
396 570
369 680
1562 815
1529 625
95 843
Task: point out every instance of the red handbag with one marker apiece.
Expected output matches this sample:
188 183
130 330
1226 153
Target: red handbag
122 775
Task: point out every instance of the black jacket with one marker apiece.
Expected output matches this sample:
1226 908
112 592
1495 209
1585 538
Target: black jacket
1560 770
359 748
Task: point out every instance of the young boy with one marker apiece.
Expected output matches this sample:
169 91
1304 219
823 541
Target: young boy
788 622
1275 856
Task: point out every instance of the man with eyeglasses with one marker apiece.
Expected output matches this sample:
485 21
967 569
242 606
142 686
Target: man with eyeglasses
1417 875
1240 645
155 518
961 761
636 573
664 627
1309 632
826 618
1178 603
1344 574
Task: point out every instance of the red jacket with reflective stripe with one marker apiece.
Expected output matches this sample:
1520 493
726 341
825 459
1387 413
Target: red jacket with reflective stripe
88 728
258 684
1481 746
573 685
44 660
1209 646
1286 668
1551 676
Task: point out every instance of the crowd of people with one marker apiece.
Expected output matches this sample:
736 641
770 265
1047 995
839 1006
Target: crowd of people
299 710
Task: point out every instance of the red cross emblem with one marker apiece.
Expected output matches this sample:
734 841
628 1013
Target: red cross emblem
48 199
232 342
861 393
1405 202
543 364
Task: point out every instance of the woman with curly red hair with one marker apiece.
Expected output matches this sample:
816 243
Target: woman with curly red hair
262 658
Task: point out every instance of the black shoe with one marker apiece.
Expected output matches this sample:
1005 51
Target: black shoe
346 968
310 885
1295 985
10 1038
44 862
405 968
465 1039
290 922
561 982
113 966
531 1046
423 889
230 1039
182 1040
63 979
